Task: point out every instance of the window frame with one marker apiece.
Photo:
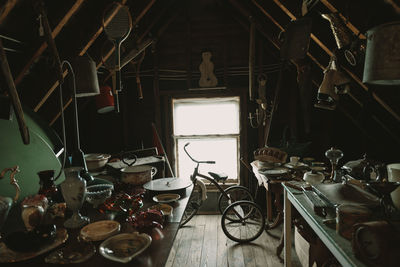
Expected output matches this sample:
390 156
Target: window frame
237 136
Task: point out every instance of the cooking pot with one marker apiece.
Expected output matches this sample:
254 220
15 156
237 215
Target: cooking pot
95 161
313 177
138 175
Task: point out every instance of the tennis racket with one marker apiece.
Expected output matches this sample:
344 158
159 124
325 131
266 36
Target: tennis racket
117 24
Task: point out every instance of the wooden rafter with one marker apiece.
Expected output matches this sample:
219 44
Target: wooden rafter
350 73
6 9
394 5
345 20
83 51
43 47
322 67
142 45
153 22
345 112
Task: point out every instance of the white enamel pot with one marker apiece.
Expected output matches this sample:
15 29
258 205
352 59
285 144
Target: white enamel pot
138 175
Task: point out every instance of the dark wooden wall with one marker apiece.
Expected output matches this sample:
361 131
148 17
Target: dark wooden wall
182 30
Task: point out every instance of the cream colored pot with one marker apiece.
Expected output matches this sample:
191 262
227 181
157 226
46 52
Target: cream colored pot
138 175
313 177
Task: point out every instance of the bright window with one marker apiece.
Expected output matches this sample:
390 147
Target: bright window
211 126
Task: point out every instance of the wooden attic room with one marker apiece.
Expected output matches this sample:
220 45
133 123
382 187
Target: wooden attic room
199 133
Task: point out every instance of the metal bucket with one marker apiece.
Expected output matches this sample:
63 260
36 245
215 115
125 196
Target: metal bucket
382 58
87 83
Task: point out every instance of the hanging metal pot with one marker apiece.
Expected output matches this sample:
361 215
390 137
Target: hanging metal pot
382 58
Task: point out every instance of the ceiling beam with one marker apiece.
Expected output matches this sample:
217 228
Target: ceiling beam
142 45
352 75
394 5
322 67
83 51
345 20
317 85
43 47
6 9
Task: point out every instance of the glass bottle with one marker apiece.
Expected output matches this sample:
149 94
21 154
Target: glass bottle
334 155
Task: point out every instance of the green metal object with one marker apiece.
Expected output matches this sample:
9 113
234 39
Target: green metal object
37 156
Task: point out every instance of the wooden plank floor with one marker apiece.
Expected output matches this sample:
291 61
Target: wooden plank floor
203 243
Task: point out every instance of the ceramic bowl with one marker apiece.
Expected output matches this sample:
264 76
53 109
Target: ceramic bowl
98 193
96 161
100 230
166 198
124 247
164 208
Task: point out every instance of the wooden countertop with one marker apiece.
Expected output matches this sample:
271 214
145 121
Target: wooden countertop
155 255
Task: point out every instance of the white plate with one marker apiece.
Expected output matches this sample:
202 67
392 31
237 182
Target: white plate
167 184
124 247
298 165
166 198
274 172
100 230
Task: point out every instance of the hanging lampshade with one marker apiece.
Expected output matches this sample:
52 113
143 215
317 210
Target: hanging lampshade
382 57
86 80
105 100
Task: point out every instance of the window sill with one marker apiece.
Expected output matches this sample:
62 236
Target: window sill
212 188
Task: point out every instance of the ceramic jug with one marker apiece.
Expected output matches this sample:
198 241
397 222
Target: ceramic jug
73 190
47 186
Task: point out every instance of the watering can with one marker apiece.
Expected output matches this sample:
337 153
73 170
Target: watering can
6 202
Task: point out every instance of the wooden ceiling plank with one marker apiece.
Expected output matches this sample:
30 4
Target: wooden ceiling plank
394 5
83 51
59 114
353 76
246 14
153 22
144 11
43 47
146 43
358 80
345 20
6 9
281 28
99 31
267 14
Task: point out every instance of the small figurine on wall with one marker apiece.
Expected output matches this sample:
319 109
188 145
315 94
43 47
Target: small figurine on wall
207 78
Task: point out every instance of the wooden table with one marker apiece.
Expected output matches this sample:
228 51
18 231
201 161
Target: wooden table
155 255
272 186
338 245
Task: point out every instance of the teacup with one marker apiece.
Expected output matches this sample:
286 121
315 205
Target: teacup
294 160
393 171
